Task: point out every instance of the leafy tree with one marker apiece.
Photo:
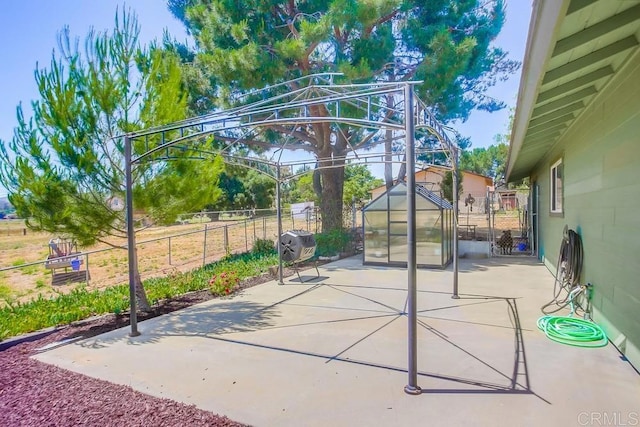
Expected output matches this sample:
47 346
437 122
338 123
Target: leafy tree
358 182
231 185
302 189
446 185
65 164
260 189
490 161
245 189
444 43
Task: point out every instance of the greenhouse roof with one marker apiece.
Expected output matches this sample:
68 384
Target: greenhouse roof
380 203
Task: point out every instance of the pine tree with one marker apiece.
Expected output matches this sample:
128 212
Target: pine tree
64 165
446 44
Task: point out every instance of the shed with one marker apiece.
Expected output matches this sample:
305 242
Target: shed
385 228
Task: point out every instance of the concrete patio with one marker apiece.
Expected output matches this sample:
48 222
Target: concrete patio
334 352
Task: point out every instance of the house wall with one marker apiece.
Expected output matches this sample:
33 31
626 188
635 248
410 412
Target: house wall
474 184
601 155
431 178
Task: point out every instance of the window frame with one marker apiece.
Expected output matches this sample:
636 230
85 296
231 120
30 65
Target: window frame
556 198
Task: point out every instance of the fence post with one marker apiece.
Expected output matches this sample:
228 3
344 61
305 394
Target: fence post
246 238
204 246
86 274
254 229
226 239
169 250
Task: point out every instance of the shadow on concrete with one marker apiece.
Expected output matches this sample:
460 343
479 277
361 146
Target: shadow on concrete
217 321
469 266
518 378
200 320
308 279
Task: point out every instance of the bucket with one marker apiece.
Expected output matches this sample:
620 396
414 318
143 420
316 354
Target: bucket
522 246
75 264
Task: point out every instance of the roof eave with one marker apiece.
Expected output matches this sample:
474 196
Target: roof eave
546 19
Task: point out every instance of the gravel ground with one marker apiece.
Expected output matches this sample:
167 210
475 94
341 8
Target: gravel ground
36 394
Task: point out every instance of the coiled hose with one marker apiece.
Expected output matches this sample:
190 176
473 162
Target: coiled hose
573 331
569 267
566 329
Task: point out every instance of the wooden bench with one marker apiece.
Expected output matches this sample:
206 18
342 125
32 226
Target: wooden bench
66 261
63 254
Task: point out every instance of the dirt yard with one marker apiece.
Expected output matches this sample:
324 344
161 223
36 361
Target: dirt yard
161 250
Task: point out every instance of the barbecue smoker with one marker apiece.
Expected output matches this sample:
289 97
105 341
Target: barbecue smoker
297 246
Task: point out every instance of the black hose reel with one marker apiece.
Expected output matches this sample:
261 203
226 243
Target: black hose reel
568 270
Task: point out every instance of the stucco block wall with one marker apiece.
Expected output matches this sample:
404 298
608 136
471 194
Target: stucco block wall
601 155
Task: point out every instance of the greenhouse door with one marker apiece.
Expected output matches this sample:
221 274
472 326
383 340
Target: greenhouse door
398 226
398 242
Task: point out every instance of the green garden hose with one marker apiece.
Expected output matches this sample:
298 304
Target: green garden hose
573 331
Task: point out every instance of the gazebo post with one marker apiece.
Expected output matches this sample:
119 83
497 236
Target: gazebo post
279 216
412 318
455 222
131 238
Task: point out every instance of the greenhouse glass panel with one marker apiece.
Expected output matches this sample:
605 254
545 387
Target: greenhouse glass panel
398 216
385 228
398 229
375 236
398 249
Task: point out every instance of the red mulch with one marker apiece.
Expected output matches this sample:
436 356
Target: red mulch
33 393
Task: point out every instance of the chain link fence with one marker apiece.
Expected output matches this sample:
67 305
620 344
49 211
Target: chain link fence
195 240
486 216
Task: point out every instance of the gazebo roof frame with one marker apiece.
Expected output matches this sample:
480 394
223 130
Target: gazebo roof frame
284 108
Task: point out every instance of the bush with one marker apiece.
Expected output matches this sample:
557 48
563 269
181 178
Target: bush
221 277
263 247
224 283
332 243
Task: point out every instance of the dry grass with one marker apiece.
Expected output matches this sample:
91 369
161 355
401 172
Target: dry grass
161 250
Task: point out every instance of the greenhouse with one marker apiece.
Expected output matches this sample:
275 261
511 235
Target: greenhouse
385 228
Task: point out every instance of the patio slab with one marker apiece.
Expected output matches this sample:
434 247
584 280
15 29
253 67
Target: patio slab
334 353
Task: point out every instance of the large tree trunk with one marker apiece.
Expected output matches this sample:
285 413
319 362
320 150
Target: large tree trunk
402 173
388 157
388 147
141 296
328 181
331 197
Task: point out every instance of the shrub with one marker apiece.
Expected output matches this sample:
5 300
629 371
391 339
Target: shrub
17 318
263 247
332 243
224 283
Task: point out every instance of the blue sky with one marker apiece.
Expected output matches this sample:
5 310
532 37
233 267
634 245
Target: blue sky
28 31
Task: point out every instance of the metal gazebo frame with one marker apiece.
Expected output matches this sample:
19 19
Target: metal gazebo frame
286 108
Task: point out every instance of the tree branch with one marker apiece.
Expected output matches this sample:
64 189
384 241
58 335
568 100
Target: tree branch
381 20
